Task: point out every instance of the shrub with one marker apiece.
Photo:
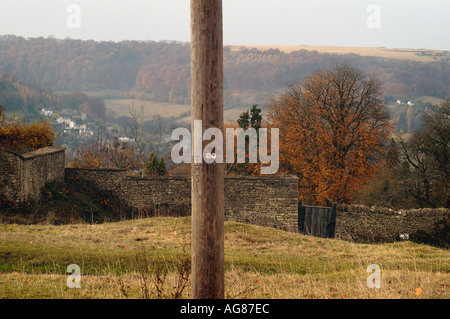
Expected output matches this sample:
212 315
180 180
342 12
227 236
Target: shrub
20 136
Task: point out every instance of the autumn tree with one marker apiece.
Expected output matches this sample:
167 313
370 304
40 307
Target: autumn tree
1 115
333 131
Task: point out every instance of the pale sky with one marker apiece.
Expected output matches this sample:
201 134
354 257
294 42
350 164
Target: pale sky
390 23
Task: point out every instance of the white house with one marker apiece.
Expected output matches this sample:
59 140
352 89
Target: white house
46 112
85 131
69 122
62 120
126 140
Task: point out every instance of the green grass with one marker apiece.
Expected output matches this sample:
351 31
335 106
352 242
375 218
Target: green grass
260 262
431 99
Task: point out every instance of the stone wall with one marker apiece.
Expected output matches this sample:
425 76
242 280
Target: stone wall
264 200
377 224
267 201
22 176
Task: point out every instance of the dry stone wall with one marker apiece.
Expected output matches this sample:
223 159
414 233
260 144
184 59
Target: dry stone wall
22 176
378 224
263 200
267 201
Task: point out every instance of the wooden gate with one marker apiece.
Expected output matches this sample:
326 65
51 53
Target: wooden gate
317 221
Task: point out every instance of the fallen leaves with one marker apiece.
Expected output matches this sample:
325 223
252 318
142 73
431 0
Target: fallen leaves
419 291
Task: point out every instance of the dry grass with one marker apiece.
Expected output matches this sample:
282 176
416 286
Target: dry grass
119 107
389 53
260 263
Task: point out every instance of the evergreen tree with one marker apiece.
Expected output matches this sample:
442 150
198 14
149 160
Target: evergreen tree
244 120
256 118
251 118
152 165
155 167
162 167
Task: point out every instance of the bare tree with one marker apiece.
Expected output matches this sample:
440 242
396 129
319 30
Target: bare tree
147 138
428 153
137 117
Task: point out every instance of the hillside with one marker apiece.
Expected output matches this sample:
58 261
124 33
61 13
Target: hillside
15 95
259 262
160 71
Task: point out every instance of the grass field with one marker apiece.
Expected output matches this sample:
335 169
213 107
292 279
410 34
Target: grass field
422 55
122 260
119 106
430 99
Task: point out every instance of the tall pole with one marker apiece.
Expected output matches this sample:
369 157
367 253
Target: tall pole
207 197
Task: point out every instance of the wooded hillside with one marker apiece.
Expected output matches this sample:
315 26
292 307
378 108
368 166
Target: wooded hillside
160 71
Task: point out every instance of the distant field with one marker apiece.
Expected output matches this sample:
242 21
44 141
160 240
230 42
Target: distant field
422 55
119 106
430 99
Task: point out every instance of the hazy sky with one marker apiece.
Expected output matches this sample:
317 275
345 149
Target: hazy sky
388 23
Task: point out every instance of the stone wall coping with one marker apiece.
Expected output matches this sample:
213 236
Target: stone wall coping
268 177
188 177
357 209
39 152
93 169
240 177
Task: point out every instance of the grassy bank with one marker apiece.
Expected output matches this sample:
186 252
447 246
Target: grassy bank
125 260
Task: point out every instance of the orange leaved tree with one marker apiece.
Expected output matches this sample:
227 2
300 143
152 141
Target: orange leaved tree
333 131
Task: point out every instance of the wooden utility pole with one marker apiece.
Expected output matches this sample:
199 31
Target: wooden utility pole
207 179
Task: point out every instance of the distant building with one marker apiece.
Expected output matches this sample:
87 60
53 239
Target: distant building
410 103
85 131
46 112
67 121
125 139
